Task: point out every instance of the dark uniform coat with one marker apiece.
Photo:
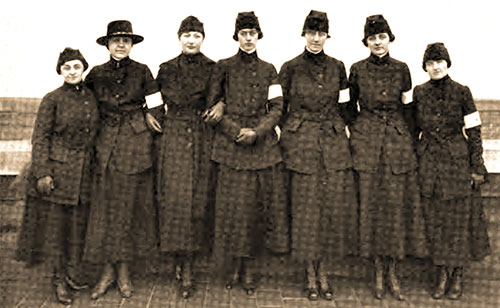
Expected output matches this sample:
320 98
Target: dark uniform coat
316 151
184 166
122 216
63 137
391 221
447 158
251 182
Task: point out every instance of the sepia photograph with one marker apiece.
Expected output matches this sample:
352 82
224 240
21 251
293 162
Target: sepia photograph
253 154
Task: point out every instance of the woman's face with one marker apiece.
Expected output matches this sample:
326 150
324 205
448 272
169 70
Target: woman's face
119 47
437 69
378 44
315 40
248 39
191 42
72 71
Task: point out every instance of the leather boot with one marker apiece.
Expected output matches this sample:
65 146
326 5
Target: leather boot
312 288
62 292
249 284
106 280
124 283
379 278
441 283
235 276
187 282
325 290
393 280
456 287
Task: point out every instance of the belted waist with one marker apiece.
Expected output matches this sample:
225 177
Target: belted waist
183 112
115 117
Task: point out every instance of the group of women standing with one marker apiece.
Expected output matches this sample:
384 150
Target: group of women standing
306 161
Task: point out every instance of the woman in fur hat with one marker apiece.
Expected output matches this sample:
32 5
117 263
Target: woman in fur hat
59 180
451 170
391 219
317 156
122 222
184 166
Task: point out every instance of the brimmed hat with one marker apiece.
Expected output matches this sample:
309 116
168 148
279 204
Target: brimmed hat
69 54
119 28
247 20
436 51
316 21
189 24
376 24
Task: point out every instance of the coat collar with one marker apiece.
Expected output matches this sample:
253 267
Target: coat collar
377 60
118 64
247 57
73 87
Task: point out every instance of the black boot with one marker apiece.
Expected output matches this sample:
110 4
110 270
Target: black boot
326 290
249 284
379 278
124 283
235 276
393 280
107 279
187 280
456 287
441 283
312 287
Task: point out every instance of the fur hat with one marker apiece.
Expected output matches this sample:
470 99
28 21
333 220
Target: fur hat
247 20
69 54
436 51
316 21
376 24
189 24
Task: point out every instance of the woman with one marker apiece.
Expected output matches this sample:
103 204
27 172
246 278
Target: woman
184 166
122 218
316 153
59 181
391 222
451 170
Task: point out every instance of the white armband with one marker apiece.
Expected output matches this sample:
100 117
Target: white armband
274 91
154 100
344 96
472 120
407 97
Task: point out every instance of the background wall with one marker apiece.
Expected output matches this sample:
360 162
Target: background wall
34 32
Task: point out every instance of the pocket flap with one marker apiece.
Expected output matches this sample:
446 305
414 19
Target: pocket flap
58 153
137 122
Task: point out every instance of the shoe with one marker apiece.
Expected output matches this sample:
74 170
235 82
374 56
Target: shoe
186 288
249 283
325 290
379 279
76 285
456 287
105 282
442 281
186 291
312 288
62 292
234 279
178 272
393 281
124 283
312 294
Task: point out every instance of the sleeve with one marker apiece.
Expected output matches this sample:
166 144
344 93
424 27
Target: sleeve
285 78
406 78
343 85
473 132
349 110
89 80
150 85
274 106
41 139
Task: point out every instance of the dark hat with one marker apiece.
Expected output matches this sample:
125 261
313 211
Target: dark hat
436 51
247 20
316 21
119 28
69 54
189 24
376 24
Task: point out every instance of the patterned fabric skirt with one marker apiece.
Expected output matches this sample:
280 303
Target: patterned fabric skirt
456 229
122 221
250 212
391 221
324 212
53 233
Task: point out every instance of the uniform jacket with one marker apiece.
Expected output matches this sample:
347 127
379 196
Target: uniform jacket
313 135
62 141
443 150
377 85
124 141
243 83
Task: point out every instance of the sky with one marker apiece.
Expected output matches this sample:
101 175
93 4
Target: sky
34 32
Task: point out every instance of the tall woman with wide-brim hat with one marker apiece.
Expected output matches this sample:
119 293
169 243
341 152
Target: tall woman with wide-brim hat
122 218
391 219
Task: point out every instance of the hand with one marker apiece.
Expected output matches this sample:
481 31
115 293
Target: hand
153 123
477 180
45 185
246 136
214 114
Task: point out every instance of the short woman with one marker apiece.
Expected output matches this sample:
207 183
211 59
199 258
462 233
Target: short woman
54 222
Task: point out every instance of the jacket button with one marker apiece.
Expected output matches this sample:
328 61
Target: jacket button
118 81
189 130
88 116
87 130
437 129
320 86
254 73
384 93
117 95
438 114
85 102
253 100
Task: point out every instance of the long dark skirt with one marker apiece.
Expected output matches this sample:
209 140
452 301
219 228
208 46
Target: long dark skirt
324 215
52 233
391 221
122 222
456 229
185 181
250 212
